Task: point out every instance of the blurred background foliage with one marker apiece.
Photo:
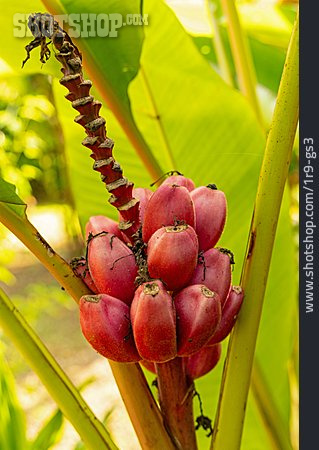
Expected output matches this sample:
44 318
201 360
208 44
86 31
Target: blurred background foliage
31 140
40 153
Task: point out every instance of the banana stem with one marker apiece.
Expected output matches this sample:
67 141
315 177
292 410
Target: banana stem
59 386
237 372
242 57
176 401
217 42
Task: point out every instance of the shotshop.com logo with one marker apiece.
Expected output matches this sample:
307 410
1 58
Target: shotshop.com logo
78 25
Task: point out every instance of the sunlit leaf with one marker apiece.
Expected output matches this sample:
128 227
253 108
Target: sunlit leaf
268 60
49 434
265 22
10 199
12 423
267 29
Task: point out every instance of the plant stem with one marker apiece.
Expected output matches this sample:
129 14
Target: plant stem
294 396
148 427
242 57
237 372
176 401
268 410
219 45
33 240
91 430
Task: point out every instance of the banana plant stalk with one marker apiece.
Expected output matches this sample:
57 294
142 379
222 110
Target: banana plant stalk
60 387
242 56
237 372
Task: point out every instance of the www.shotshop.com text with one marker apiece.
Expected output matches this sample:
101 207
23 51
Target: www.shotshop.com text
310 226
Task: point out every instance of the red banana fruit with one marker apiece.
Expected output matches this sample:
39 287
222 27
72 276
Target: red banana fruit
214 271
202 362
105 323
210 212
198 313
81 270
98 224
230 312
180 180
172 255
168 206
154 322
112 267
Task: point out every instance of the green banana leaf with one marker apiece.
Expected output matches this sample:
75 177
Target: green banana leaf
12 421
